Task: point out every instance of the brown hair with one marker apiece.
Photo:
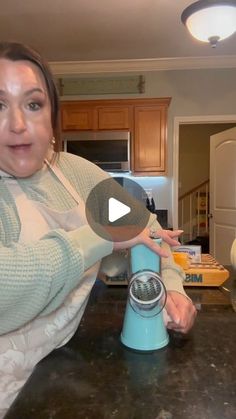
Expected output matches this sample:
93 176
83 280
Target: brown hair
15 51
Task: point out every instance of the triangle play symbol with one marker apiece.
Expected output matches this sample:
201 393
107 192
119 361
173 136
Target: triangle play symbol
116 209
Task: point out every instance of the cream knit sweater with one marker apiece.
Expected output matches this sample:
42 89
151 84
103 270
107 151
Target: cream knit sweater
35 278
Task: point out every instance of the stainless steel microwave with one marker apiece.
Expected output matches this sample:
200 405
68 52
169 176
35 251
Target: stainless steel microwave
110 150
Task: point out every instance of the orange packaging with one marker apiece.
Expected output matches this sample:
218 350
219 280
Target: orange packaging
182 259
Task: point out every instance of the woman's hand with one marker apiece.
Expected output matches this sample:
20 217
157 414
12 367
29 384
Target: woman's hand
146 237
181 312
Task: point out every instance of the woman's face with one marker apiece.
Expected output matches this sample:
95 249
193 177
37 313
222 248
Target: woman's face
25 118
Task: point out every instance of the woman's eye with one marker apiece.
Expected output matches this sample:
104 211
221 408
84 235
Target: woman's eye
2 106
34 106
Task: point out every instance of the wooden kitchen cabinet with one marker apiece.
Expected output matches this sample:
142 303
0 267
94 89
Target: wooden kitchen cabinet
90 115
150 136
146 119
116 117
77 117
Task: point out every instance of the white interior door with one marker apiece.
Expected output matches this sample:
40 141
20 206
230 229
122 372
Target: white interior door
222 194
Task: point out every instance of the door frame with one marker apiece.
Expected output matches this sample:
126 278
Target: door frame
179 120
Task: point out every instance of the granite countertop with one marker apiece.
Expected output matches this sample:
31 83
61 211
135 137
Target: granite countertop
95 376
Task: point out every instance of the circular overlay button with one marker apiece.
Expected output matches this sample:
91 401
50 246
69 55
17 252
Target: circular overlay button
117 213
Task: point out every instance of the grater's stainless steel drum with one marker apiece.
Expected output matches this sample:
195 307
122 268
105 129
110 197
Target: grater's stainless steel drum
147 293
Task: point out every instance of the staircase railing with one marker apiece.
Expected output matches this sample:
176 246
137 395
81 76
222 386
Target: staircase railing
193 212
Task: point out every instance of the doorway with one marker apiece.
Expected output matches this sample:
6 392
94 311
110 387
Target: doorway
211 124
222 192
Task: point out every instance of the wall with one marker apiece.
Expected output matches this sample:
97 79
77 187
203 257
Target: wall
194 155
194 93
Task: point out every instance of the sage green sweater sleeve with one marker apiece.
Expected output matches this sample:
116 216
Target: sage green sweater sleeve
172 274
35 279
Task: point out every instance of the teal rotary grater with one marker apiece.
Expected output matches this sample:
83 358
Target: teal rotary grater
143 326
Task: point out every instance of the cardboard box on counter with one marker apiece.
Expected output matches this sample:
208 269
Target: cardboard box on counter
194 252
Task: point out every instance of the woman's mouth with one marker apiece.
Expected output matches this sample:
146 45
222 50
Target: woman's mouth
20 147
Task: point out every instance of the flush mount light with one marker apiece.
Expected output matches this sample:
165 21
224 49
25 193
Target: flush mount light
210 20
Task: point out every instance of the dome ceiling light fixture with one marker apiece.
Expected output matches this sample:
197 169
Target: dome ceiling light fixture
210 20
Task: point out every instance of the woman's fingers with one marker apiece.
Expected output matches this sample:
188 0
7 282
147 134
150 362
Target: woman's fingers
168 236
181 310
146 237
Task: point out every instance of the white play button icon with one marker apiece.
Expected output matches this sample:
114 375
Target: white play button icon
111 205
116 209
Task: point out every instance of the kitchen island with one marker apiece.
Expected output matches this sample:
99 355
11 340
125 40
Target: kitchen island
95 376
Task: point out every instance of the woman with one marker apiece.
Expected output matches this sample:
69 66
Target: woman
49 255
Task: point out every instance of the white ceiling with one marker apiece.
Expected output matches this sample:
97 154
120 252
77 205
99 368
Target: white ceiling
95 30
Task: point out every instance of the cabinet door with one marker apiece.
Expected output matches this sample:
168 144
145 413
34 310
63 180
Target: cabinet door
150 139
113 117
76 117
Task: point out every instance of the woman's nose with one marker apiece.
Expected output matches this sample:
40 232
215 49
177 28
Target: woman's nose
17 121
